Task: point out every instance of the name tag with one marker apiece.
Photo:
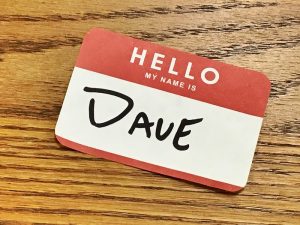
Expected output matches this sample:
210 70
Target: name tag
163 110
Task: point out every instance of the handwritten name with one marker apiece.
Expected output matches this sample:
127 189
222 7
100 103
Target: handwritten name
141 121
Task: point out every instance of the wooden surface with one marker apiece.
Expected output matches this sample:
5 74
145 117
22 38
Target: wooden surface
42 182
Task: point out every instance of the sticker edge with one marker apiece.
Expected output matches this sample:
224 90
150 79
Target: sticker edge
148 166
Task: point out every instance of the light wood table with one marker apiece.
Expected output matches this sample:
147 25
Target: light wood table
42 182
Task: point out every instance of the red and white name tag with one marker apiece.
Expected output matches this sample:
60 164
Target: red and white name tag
163 110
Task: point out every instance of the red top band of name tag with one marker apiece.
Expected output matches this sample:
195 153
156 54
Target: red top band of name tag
216 83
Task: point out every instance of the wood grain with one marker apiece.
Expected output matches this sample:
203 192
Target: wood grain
42 182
